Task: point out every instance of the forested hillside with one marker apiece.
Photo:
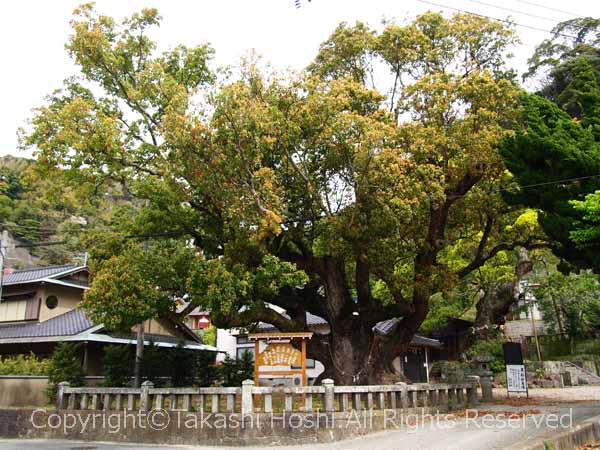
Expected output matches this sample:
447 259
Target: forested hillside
44 220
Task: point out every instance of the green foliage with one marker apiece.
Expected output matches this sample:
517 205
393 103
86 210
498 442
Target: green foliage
451 371
23 365
38 207
153 367
570 304
178 367
234 371
552 147
297 191
118 365
560 139
65 365
491 348
209 335
588 226
139 284
556 56
183 366
207 374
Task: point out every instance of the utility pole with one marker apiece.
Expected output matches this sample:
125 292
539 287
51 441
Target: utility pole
3 240
139 346
537 341
139 353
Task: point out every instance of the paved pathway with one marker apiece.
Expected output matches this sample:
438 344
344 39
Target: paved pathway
569 394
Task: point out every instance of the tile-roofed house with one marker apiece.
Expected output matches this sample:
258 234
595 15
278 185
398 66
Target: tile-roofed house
67 324
35 274
40 307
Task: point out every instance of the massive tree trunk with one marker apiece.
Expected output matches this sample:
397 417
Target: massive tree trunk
496 301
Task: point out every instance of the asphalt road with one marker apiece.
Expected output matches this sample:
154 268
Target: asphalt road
489 433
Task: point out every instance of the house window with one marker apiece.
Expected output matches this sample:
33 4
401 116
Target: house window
240 352
310 364
51 301
242 340
12 310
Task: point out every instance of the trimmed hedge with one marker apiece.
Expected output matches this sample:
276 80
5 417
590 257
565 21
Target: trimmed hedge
24 365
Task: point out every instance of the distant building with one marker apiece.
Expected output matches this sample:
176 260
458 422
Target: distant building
455 337
198 319
525 318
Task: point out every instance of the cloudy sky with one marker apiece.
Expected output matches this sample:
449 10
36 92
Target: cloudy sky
33 34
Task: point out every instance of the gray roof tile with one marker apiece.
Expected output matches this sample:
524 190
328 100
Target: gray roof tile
36 273
311 319
386 327
67 324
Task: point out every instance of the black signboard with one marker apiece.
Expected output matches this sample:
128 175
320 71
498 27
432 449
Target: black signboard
512 353
516 375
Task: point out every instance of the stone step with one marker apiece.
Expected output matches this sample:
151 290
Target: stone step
584 376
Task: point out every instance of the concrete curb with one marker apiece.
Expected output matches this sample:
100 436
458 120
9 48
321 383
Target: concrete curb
585 432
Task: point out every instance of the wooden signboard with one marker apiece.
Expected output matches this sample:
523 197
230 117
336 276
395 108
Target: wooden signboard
282 354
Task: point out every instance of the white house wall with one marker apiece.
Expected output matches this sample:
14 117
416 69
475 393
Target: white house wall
227 343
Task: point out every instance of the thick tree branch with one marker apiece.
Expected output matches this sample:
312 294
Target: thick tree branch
481 259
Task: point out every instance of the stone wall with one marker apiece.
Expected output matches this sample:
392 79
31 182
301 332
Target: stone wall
190 428
515 329
23 391
26 390
246 415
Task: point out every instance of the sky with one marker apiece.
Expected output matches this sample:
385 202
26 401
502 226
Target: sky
33 34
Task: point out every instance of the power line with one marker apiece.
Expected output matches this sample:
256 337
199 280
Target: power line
510 22
27 227
547 183
40 244
539 5
129 236
516 11
184 232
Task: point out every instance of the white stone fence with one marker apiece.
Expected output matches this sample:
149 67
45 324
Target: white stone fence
251 399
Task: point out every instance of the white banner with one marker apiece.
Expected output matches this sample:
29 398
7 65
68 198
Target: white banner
516 379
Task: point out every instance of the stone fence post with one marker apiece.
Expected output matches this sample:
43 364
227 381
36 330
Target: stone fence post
329 395
145 395
60 394
247 400
472 392
403 394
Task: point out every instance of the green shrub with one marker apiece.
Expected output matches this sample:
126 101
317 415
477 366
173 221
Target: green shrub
24 365
234 371
500 378
209 335
64 365
182 366
207 374
154 365
491 348
118 365
450 371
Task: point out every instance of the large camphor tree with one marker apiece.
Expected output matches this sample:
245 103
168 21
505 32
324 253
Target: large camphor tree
314 192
